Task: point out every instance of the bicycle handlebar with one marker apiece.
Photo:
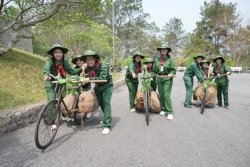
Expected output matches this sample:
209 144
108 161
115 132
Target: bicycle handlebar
91 81
158 76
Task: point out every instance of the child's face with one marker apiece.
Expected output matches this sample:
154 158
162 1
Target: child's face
137 58
218 61
204 65
149 65
58 54
199 59
79 63
164 51
90 60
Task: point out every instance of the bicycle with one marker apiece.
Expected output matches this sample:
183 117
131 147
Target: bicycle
204 98
146 87
49 117
146 84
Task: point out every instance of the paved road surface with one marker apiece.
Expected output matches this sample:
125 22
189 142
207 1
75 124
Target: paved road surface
220 137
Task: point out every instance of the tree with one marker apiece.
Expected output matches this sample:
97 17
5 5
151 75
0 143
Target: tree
217 19
173 33
79 37
24 14
129 19
238 43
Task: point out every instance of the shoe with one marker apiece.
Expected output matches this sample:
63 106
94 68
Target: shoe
217 105
132 110
66 119
53 127
170 116
226 107
105 131
88 115
188 106
101 122
162 113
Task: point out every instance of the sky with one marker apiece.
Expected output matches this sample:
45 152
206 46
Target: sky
161 11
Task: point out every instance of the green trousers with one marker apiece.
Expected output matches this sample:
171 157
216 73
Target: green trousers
132 89
189 89
104 94
222 90
154 85
164 89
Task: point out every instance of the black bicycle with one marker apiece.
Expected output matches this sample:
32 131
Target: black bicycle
203 101
146 96
49 118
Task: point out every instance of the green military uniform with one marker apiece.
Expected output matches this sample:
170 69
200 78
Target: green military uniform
75 59
84 87
222 82
165 84
190 72
50 68
131 82
103 91
153 82
204 71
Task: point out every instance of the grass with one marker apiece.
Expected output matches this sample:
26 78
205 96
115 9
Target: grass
117 76
21 79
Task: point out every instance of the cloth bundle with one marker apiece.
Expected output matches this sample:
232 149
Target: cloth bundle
154 102
139 100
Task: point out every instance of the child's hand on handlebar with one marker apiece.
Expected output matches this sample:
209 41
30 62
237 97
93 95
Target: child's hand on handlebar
47 78
133 75
170 75
86 80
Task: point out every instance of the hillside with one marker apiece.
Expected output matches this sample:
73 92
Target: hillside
21 79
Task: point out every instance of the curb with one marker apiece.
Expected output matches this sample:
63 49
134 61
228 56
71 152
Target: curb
22 117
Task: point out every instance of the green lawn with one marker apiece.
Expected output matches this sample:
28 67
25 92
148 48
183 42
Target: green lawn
21 79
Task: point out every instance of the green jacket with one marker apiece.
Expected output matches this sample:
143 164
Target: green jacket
192 70
130 71
224 79
102 73
48 69
168 68
202 71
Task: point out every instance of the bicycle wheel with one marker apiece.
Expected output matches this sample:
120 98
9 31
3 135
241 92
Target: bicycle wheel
147 106
77 118
47 124
203 102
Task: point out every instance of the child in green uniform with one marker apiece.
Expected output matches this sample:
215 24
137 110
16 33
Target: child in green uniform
96 70
131 77
192 70
221 81
205 68
77 61
55 65
165 65
149 67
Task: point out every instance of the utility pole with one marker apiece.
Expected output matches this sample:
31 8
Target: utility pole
113 24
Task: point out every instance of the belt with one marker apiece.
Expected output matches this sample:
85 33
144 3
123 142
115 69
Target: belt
162 74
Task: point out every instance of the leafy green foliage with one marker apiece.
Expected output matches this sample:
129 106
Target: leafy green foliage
146 83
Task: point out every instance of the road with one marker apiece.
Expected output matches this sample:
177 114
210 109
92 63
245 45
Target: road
219 137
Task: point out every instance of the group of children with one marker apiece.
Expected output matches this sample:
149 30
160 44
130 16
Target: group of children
200 68
164 65
94 69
